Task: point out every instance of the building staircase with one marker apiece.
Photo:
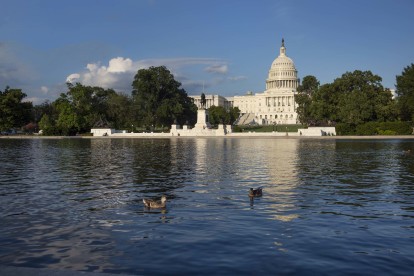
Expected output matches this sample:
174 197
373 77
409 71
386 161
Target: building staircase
246 119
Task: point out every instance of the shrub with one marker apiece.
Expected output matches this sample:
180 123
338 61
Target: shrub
345 129
386 132
400 128
370 128
384 128
237 129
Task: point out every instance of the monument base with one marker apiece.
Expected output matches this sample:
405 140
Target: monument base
202 119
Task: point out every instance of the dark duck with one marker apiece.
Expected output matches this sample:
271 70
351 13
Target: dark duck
255 192
150 203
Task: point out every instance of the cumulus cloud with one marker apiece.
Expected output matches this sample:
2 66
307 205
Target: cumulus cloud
73 78
119 72
120 65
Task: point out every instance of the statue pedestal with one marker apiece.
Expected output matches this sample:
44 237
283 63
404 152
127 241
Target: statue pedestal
202 119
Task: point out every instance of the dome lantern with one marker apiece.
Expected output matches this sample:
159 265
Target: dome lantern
282 74
282 48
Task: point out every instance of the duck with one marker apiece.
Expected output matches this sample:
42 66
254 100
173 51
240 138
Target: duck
150 203
255 192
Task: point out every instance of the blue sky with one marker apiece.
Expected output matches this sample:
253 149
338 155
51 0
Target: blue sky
217 46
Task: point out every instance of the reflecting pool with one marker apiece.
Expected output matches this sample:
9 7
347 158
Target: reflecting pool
329 207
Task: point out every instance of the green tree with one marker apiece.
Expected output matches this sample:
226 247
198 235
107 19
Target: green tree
405 92
44 108
159 98
47 126
218 115
355 108
14 112
121 112
361 96
309 85
354 98
67 122
303 98
324 105
79 109
90 104
385 107
234 114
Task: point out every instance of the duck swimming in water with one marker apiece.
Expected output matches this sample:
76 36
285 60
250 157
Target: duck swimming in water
150 203
255 192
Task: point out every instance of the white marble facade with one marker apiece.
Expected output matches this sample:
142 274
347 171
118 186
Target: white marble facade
276 105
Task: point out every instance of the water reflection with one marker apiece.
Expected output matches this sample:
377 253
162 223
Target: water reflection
281 167
77 204
354 175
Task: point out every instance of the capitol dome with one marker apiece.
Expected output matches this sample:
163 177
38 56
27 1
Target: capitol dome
282 73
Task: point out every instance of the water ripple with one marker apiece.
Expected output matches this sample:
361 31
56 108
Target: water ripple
328 206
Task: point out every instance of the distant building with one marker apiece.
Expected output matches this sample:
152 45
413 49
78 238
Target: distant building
215 100
393 93
276 105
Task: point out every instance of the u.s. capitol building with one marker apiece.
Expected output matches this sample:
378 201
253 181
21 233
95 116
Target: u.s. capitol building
276 105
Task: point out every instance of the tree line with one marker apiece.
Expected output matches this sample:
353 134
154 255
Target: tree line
357 103
157 101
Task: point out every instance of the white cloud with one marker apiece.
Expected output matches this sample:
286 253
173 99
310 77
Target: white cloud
120 65
34 100
217 68
72 78
237 78
119 72
44 89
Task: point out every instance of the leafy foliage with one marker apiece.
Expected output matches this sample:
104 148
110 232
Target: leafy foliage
159 98
78 110
355 98
345 129
405 92
304 98
14 113
375 128
47 125
219 115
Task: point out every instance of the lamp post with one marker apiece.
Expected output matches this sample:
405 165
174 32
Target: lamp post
132 128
